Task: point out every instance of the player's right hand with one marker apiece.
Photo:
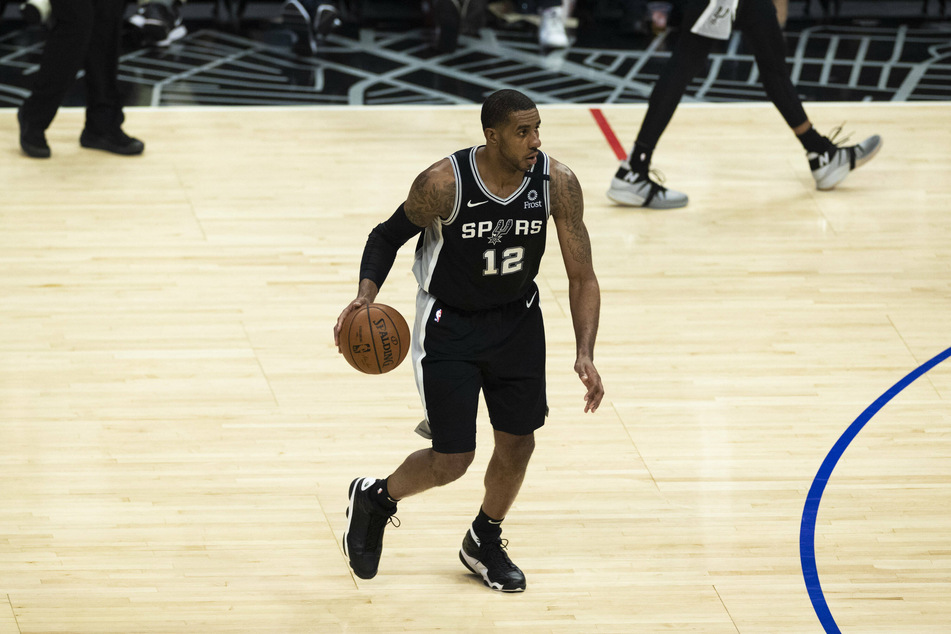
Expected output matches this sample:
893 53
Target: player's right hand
352 306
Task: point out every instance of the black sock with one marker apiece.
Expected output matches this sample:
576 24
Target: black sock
380 495
640 158
487 528
812 141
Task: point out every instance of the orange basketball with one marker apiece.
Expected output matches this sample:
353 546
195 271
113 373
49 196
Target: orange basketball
374 338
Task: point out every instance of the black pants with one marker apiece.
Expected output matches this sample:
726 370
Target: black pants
757 19
85 35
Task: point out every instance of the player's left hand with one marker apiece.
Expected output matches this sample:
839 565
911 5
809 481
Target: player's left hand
592 381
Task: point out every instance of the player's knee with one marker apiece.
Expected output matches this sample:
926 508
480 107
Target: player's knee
449 467
515 449
525 445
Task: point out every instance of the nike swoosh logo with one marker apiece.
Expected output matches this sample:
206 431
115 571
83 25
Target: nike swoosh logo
528 304
472 204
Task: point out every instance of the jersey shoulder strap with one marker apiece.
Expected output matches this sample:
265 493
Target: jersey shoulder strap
465 179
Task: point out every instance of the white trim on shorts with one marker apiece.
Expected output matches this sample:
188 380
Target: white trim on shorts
424 309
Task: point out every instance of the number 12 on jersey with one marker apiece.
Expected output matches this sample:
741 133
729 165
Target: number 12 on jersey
512 261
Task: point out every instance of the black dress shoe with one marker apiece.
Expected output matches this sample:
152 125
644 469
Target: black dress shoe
32 141
115 141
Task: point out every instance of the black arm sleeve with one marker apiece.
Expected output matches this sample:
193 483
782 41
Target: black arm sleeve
383 243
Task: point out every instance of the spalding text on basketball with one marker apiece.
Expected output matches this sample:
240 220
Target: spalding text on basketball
386 341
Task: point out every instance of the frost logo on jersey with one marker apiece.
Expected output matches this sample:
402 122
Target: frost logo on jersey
501 228
532 202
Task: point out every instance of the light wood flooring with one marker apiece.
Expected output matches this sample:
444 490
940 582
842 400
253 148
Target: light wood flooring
177 430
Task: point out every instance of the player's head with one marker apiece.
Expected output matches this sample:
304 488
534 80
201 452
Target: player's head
510 123
499 105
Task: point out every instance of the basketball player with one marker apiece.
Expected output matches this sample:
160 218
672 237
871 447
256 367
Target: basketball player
483 213
705 21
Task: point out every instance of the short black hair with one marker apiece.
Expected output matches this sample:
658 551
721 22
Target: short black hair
499 105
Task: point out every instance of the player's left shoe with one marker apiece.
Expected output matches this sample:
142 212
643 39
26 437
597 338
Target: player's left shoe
490 561
832 166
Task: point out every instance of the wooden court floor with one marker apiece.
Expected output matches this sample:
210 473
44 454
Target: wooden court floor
177 430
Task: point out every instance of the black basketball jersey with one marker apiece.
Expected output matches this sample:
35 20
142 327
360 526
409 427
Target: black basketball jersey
487 252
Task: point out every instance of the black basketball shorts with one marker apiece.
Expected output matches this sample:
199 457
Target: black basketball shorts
457 354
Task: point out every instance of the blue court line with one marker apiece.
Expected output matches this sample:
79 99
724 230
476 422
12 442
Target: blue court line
807 530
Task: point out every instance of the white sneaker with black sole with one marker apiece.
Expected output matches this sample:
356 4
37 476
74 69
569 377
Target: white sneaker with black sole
633 189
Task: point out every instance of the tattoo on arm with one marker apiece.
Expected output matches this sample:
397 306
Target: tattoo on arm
568 204
431 196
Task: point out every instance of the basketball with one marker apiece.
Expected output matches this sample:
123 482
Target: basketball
374 338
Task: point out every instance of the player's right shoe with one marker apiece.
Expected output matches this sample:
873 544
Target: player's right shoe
633 189
832 166
363 539
490 561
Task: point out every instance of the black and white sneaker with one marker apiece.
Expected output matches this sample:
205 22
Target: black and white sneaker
832 166
325 19
490 561
34 11
160 23
638 190
296 18
309 20
363 539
